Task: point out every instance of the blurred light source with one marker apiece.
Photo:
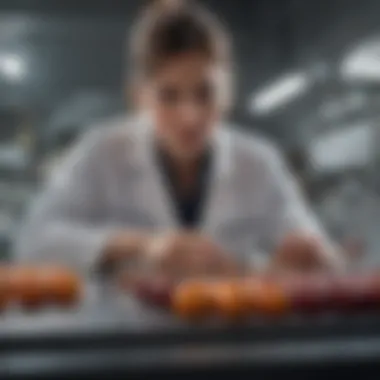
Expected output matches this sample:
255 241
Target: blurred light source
279 93
351 147
363 63
12 67
339 107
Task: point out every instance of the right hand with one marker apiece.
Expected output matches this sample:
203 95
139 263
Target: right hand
185 254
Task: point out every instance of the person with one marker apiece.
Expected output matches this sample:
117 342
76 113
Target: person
176 189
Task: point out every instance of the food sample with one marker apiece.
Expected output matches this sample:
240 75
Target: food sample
309 294
4 288
24 287
356 293
319 294
32 286
157 293
270 296
229 299
264 298
59 286
192 299
226 299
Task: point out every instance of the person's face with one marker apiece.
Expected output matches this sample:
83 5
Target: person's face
185 99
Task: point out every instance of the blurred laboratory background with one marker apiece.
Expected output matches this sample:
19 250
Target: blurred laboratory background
308 74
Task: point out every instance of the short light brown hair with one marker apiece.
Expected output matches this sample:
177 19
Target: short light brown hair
167 29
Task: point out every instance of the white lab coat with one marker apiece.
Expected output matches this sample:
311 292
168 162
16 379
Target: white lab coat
110 181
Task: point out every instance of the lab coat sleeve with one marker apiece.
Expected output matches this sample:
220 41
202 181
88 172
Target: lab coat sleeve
63 226
288 210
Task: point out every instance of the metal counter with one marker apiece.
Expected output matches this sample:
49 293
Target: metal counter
113 334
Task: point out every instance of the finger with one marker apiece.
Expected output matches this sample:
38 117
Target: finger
215 262
176 263
129 281
297 251
142 283
199 264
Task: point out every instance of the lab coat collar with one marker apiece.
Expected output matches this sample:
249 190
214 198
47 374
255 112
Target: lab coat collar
144 155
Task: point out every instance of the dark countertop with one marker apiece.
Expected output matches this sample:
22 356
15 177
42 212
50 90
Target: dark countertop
114 334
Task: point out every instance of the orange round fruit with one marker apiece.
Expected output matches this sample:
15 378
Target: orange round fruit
264 297
191 299
274 301
4 287
59 285
227 299
24 287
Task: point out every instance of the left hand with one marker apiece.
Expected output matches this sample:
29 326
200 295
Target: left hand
304 253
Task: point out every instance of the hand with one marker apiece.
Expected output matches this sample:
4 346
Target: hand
185 254
300 252
123 246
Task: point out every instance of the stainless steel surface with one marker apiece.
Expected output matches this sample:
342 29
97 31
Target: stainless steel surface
113 332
